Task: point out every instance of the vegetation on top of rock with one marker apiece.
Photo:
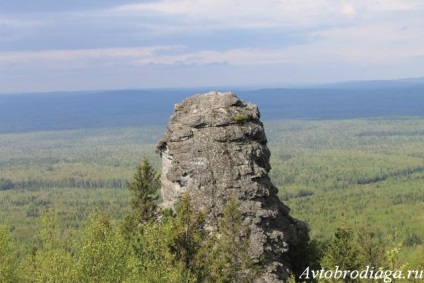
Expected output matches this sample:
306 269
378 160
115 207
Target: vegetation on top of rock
240 117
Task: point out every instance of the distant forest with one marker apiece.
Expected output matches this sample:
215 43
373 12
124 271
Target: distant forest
127 108
348 159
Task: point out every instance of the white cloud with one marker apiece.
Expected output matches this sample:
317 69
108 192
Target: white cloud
362 31
348 9
17 22
238 34
80 54
363 43
239 13
137 57
265 13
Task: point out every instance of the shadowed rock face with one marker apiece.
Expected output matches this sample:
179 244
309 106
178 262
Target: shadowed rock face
215 147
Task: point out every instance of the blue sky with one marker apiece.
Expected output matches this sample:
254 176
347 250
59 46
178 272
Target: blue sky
48 45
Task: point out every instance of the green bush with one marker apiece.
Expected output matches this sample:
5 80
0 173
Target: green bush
240 118
7 260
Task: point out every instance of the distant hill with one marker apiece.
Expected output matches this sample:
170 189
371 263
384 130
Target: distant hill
376 84
121 108
338 103
57 111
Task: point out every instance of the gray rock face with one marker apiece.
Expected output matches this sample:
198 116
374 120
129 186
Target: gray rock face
215 147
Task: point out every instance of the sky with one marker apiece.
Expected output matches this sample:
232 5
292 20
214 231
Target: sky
63 45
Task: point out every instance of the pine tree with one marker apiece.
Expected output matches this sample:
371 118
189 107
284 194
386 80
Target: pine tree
371 247
227 250
189 235
144 188
342 251
156 260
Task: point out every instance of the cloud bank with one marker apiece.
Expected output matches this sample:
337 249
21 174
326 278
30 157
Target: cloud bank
320 41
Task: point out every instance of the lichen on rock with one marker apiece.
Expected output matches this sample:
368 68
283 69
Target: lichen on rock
214 148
